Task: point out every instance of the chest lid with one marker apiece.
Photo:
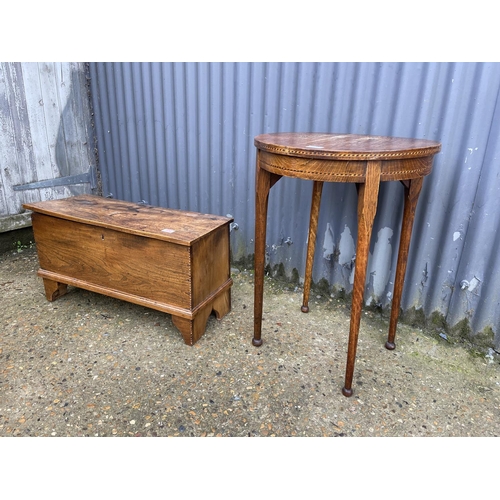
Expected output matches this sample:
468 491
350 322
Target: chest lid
176 226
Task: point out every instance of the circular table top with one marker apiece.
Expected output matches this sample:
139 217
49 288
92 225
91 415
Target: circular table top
345 146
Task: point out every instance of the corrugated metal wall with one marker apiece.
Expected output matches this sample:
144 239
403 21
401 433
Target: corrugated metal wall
45 134
181 135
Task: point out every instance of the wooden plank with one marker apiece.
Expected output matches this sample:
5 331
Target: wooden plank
55 280
16 156
176 226
146 267
13 222
210 264
43 126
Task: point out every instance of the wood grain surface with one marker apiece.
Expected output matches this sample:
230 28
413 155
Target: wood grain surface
178 226
146 267
345 146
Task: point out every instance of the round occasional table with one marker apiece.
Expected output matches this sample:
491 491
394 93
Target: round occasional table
364 160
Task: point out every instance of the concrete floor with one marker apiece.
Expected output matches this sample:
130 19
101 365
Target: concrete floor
89 365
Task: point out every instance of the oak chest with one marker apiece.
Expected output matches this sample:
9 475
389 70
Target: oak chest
170 260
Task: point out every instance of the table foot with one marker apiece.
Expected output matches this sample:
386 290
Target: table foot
193 329
305 309
257 343
390 345
347 392
54 289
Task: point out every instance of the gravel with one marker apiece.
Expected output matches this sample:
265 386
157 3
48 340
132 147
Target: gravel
90 365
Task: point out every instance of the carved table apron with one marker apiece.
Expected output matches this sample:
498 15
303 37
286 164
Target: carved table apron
361 159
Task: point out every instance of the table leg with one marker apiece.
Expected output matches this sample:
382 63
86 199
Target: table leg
367 208
412 192
311 242
264 181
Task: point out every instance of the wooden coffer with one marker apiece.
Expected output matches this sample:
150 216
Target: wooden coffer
170 260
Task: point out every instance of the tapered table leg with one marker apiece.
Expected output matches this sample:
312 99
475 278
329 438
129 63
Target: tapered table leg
264 181
367 208
311 242
412 192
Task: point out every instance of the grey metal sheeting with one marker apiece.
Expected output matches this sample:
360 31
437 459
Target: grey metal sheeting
181 135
